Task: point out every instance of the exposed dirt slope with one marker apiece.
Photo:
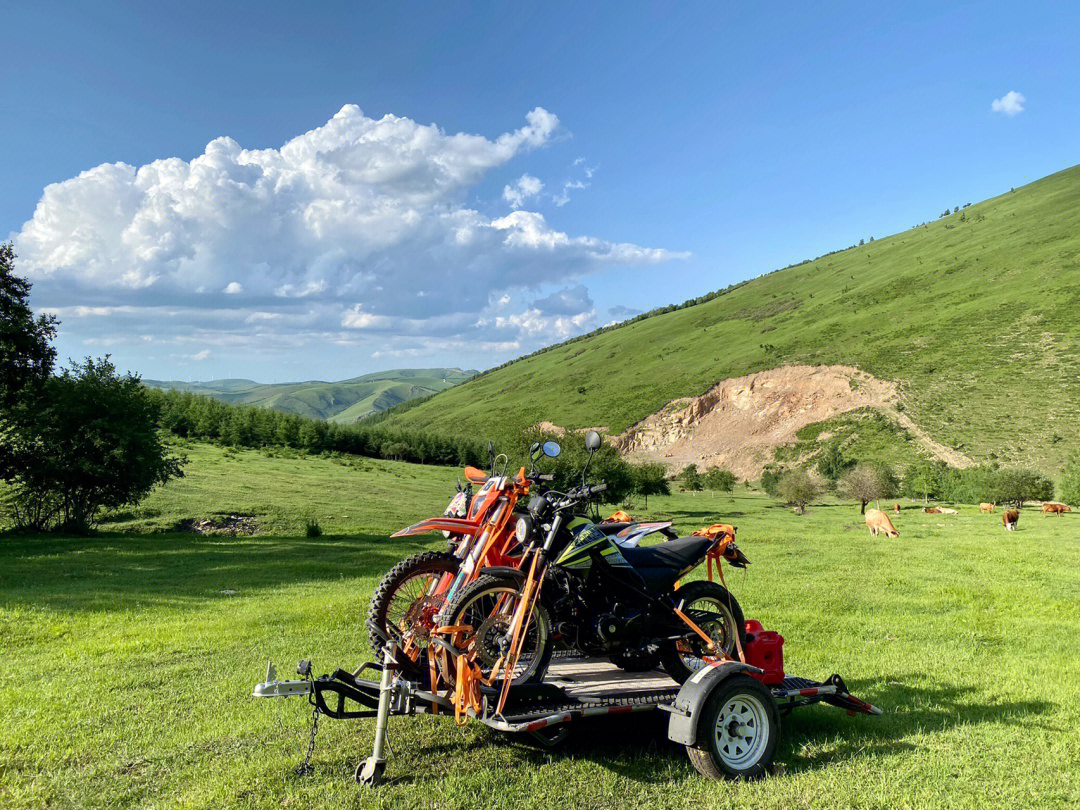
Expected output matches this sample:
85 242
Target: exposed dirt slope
740 421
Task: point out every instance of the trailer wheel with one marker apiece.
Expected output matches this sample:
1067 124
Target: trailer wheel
738 732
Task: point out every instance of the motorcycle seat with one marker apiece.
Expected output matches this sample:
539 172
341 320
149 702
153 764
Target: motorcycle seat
674 554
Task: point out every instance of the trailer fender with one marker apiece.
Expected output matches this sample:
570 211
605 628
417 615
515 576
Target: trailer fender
686 710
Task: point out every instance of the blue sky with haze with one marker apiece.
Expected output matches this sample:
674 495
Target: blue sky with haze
211 190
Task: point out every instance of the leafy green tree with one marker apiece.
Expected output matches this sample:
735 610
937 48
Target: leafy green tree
797 488
1017 485
1070 480
866 482
770 480
720 480
651 479
26 355
89 443
831 463
690 479
923 480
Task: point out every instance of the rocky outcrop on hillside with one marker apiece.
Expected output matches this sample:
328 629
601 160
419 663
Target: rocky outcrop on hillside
740 421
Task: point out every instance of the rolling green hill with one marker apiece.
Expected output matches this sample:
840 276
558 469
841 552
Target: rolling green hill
344 401
975 316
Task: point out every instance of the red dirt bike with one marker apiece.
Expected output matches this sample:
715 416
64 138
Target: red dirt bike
480 531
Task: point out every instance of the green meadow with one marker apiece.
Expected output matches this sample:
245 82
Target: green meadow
129 656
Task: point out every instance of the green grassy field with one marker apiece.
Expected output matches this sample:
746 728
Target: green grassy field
344 401
129 657
974 315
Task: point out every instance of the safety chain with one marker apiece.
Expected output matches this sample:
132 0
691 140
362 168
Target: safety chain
304 768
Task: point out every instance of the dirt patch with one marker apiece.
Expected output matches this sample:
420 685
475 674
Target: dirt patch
227 526
740 421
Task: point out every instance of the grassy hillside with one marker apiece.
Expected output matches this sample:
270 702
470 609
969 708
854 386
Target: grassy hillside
976 315
344 401
130 657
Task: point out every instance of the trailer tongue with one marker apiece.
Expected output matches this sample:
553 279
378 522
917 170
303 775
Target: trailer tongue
727 714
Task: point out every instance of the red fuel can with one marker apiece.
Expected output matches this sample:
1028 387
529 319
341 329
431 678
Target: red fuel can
765 650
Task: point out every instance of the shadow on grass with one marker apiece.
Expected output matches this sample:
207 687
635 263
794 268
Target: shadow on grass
636 747
114 572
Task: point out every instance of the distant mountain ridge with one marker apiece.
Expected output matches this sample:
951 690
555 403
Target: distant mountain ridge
344 401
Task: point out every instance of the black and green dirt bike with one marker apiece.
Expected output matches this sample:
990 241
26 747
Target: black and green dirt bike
600 598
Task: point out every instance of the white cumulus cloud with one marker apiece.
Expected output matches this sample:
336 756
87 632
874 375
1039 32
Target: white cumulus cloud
356 233
1012 103
526 186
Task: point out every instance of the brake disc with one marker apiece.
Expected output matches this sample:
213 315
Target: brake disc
491 639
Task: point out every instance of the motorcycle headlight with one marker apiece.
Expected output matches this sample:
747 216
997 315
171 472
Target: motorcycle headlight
523 529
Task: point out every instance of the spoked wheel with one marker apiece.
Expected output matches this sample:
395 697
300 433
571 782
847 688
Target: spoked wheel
739 730
406 602
712 608
488 606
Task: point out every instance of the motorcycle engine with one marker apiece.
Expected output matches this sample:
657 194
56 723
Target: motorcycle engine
610 628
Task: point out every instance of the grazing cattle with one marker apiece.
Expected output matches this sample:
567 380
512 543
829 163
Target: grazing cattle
896 508
986 507
878 521
946 510
932 510
1010 518
1055 509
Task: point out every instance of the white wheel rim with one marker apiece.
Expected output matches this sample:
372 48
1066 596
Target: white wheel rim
742 732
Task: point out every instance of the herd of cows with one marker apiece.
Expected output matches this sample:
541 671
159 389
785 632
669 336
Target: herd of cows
878 522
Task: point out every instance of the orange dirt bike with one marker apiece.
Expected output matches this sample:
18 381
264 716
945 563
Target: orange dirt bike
574 582
480 532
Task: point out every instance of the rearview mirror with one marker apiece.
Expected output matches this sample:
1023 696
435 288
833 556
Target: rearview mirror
552 449
592 441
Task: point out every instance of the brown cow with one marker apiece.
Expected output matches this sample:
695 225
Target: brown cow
878 521
896 508
932 510
1055 509
1010 518
986 507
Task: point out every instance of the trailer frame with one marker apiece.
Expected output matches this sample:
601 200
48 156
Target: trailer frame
575 688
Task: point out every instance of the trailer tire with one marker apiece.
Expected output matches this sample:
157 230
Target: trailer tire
427 563
738 732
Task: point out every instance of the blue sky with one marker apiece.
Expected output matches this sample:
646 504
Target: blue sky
677 148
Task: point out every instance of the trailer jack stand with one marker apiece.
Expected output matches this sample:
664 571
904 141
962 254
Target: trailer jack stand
370 771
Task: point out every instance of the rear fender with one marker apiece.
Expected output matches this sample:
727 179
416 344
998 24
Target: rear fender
441 524
690 703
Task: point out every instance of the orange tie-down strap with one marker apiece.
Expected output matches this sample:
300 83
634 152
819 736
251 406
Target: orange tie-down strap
468 677
727 534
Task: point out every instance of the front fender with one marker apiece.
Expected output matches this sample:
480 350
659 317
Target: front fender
690 702
441 524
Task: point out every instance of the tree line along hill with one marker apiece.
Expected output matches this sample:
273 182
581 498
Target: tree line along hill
342 402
